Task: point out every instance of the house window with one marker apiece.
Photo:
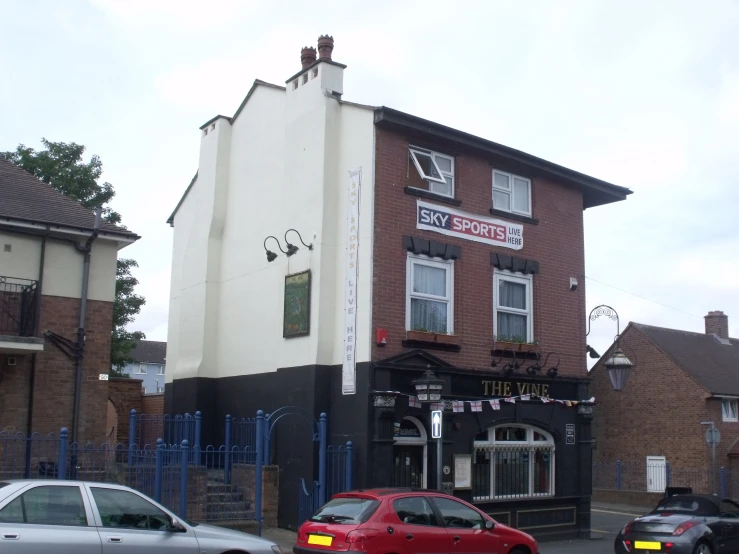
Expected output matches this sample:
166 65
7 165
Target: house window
433 171
513 310
429 302
161 370
513 461
511 193
141 369
729 409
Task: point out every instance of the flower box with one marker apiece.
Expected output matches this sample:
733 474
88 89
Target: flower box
447 339
421 336
428 337
516 346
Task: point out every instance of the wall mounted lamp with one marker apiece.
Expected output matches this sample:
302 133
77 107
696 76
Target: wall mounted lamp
291 248
271 255
552 371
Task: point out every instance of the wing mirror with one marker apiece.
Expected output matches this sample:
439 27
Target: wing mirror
489 524
176 525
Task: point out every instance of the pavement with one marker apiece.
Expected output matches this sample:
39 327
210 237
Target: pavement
606 521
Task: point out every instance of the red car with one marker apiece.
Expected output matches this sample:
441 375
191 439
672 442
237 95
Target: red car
405 521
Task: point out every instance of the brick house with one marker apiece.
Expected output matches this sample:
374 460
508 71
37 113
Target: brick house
654 426
422 248
46 243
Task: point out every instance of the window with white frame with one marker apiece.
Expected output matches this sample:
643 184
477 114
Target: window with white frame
160 371
513 461
729 409
433 171
513 315
429 298
511 193
141 369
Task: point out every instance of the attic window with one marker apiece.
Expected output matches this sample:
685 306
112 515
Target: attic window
315 73
305 78
434 171
295 84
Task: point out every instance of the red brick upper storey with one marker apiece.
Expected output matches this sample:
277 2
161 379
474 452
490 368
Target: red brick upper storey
552 236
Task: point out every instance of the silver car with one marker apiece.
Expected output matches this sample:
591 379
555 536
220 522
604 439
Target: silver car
65 517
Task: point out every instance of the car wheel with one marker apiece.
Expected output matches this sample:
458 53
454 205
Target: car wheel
702 548
518 551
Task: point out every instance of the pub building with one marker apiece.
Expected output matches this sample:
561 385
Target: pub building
395 246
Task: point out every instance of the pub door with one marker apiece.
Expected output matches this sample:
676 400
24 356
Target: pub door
408 470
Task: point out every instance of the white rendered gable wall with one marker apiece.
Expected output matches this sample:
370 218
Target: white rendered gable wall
283 164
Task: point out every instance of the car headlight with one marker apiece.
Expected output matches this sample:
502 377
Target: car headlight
276 549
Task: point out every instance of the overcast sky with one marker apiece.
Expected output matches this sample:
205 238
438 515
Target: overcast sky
640 94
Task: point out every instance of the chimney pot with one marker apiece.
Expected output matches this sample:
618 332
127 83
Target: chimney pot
717 323
307 56
325 47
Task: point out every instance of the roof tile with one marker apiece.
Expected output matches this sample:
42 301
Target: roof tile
26 198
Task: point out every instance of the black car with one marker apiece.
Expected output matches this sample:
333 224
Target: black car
684 524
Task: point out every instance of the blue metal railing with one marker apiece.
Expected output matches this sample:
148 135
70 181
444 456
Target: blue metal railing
200 484
638 476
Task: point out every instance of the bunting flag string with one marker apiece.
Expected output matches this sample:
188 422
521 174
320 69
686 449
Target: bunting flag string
458 406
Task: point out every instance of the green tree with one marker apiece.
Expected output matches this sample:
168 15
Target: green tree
62 167
127 305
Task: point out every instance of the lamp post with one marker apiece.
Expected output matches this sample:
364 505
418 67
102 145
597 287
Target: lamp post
428 389
618 365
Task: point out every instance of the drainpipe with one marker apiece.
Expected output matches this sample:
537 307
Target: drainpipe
80 347
32 380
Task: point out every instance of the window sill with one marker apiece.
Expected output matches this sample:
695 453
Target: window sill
517 217
413 191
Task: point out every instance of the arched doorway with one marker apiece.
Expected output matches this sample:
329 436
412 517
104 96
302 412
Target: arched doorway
410 456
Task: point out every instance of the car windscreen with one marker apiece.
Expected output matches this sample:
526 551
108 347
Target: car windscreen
686 505
346 510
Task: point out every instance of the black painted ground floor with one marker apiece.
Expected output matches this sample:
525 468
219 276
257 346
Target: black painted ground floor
518 447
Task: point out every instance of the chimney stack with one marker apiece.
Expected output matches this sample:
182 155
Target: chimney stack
325 47
307 56
717 323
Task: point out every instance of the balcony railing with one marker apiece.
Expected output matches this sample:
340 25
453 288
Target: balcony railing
18 298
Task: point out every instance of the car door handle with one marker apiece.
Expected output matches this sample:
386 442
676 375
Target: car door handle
115 539
409 537
457 538
11 536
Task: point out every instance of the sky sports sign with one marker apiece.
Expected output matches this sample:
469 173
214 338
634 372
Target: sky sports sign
455 223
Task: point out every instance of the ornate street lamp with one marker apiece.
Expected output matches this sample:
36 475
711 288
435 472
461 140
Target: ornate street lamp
428 387
618 365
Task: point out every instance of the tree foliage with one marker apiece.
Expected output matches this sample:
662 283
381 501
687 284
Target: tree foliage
62 167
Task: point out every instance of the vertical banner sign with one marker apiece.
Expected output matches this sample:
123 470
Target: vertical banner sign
348 375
